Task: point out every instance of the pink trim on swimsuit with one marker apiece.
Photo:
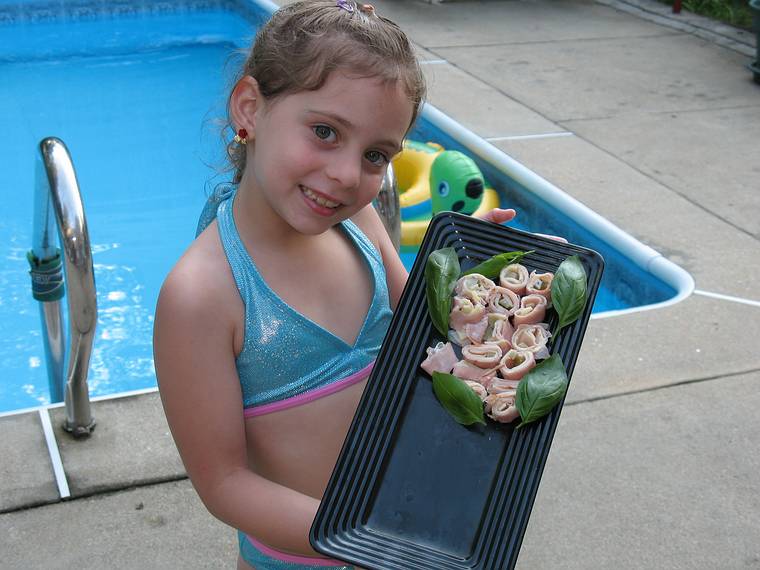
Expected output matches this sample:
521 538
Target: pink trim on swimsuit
294 558
309 396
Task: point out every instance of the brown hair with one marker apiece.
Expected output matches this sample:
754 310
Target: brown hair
298 48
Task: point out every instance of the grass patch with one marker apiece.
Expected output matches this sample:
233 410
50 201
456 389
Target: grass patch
734 12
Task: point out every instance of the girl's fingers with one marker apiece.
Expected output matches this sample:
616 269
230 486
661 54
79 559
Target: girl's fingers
499 215
555 238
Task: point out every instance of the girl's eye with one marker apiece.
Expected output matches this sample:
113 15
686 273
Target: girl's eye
377 158
324 132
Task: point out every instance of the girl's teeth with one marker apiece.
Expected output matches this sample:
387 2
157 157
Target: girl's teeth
320 200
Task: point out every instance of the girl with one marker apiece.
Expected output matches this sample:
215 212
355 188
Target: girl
267 327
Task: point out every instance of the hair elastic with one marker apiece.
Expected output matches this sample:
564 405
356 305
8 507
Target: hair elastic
241 137
345 5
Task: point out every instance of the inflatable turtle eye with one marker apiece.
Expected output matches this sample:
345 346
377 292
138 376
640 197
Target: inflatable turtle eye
443 189
474 188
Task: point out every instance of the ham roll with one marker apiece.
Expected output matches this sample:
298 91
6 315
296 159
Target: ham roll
440 358
467 371
516 363
499 331
501 407
499 385
540 284
532 338
482 355
478 388
503 301
475 331
532 310
475 287
514 277
464 311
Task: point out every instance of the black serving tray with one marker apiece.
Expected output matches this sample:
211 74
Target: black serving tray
413 489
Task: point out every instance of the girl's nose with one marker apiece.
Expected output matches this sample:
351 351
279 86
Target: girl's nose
345 170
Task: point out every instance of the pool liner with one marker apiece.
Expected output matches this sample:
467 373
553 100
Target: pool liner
413 489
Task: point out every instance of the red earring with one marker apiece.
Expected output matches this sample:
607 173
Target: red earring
241 137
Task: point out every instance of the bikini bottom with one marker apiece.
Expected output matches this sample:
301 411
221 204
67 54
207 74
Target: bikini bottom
263 557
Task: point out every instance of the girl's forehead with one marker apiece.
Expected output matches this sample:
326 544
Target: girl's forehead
362 102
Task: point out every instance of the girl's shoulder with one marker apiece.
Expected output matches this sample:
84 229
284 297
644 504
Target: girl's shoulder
370 224
201 283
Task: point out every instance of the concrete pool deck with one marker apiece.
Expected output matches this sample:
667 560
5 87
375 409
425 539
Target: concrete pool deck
651 120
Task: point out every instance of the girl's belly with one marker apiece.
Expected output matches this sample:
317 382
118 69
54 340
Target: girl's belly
298 447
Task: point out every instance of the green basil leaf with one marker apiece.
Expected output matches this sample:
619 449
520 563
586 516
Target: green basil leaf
569 291
441 273
458 399
492 267
541 389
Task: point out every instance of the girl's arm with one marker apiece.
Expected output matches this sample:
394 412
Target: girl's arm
395 273
200 392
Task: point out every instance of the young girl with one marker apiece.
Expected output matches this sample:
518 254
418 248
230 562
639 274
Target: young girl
267 327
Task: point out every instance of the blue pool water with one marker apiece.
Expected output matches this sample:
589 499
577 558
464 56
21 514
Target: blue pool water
135 98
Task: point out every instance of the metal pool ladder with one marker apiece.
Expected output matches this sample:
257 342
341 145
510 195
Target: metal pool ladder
387 204
58 210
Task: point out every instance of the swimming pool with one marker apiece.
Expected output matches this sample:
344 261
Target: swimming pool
133 89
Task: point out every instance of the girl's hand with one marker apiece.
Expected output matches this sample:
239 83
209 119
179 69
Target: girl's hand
499 216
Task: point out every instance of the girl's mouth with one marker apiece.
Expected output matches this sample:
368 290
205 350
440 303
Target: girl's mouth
319 200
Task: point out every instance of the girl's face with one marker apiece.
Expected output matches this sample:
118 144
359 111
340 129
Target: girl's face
318 157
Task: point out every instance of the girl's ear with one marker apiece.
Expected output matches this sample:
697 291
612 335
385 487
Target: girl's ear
245 101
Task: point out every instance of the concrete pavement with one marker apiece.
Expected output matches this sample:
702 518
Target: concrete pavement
651 120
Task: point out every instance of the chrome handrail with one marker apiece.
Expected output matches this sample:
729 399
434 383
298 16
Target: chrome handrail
57 189
387 205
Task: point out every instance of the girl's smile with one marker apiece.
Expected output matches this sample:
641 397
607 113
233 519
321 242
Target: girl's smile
320 203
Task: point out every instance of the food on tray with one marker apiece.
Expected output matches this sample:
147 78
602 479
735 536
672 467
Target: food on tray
501 407
441 273
478 388
441 358
514 277
540 284
458 398
499 331
532 310
482 355
516 364
503 301
532 338
569 291
502 332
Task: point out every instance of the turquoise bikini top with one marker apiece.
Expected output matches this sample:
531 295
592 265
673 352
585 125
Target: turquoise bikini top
285 354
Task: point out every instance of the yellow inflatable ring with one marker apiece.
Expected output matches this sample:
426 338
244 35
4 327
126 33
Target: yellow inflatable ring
412 170
412 232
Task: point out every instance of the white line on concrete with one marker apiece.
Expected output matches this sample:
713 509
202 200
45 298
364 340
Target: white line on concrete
55 455
433 62
524 137
727 298
28 410
138 392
